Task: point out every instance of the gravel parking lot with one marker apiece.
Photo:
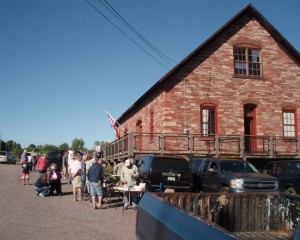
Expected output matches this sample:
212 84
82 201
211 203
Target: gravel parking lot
26 216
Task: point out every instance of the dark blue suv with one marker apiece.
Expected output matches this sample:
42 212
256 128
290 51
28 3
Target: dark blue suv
288 174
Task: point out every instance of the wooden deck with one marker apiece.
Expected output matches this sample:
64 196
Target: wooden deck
219 146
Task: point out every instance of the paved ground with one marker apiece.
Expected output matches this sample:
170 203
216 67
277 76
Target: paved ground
26 216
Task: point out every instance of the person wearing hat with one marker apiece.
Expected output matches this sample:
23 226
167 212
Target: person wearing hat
75 175
54 179
129 177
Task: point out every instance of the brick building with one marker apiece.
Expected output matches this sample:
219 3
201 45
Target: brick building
242 85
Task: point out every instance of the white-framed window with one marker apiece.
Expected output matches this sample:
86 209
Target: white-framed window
289 122
208 120
247 62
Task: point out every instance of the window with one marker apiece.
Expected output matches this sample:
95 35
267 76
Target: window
151 126
247 62
208 120
289 122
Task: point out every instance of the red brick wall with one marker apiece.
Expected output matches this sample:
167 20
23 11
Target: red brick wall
209 78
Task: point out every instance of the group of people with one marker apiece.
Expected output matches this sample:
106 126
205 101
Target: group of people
47 183
84 172
29 162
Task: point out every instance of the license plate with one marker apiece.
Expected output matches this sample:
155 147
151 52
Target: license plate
171 179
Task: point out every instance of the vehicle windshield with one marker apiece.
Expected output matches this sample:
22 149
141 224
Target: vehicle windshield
237 167
2 153
171 165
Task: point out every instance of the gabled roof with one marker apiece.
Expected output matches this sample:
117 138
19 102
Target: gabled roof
249 10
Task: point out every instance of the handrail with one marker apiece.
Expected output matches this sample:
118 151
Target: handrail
242 146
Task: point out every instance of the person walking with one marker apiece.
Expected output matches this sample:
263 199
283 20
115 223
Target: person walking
75 175
129 177
95 178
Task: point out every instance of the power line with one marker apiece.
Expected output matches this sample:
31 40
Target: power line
131 28
126 35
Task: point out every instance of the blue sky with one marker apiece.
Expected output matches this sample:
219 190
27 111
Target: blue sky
62 64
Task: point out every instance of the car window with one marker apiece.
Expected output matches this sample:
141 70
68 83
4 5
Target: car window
145 163
196 164
170 165
229 166
2 153
294 167
205 166
280 167
213 165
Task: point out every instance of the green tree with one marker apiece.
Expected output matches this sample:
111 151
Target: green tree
77 144
17 149
10 145
64 146
48 147
31 147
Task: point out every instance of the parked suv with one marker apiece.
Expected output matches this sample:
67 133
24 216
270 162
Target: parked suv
228 175
55 158
288 174
7 157
168 171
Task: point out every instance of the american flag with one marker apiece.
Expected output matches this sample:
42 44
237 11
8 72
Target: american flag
114 124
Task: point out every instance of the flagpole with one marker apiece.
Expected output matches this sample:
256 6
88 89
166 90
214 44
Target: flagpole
119 125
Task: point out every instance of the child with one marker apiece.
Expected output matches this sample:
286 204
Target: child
25 172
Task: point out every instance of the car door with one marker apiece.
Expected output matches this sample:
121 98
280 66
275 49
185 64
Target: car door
209 175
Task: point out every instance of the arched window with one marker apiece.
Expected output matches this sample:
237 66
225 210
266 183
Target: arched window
289 122
208 119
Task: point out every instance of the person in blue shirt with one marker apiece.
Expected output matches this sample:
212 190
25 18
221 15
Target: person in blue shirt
95 177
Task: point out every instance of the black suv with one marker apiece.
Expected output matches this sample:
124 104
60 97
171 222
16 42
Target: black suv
161 171
229 175
288 174
55 158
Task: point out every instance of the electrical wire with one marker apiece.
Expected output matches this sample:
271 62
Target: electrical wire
126 35
131 28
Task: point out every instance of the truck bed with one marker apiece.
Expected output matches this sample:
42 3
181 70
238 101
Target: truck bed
218 216
265 235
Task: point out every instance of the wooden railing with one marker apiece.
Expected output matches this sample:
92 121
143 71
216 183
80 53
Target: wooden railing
241 146
241 212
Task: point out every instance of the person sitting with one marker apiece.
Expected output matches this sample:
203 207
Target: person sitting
54 178
41 186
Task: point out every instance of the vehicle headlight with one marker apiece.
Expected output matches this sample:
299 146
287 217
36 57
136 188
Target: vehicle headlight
237 183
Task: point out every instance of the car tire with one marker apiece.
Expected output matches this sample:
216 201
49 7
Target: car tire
224 190
53 165
290 191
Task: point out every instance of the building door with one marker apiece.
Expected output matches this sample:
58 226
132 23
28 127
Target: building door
250 127
139 136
